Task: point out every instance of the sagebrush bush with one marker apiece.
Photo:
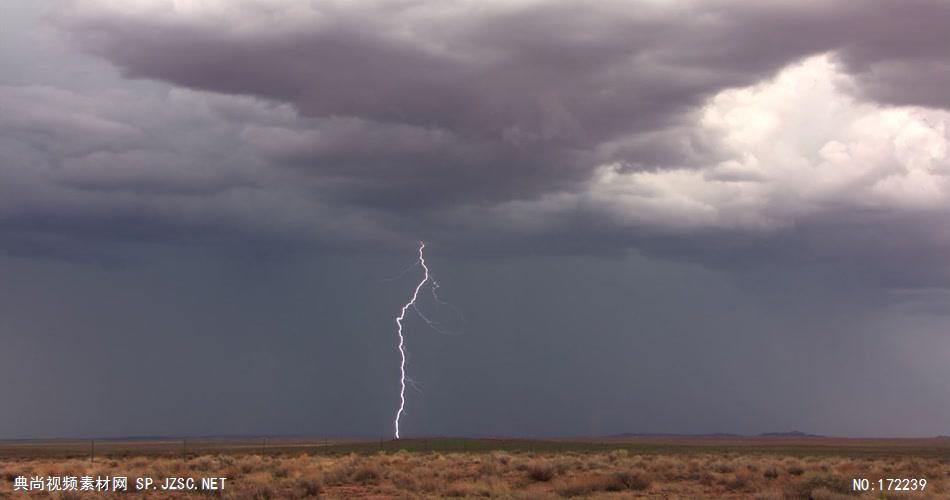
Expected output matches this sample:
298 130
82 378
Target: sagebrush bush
723 468
541 472
263 493
824 482
738 482
366 474
630 481
590 484
618 455
310 487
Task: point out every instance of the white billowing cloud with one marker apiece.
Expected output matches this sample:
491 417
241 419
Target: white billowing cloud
795 146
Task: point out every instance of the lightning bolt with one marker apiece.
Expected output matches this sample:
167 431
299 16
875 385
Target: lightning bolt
402 339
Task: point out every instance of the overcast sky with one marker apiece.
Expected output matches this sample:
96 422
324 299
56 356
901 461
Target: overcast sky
651 216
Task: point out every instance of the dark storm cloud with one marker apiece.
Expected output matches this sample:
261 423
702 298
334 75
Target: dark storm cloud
84 172
488 123
538 72
525 94
900 52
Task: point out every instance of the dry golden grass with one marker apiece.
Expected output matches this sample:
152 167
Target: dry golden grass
519 475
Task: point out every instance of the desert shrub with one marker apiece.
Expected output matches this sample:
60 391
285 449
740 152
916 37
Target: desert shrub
457 491
737 482
595 462
263 493
580 486
541 472
488 468
249 464
311 487
366 474
723 468
336 476
862 466
662 467
281 472
796 470
826 494
200 464
455 473
588 485
491 487
825 482
404 481
770 473
617 455
430 484
348 469
629 481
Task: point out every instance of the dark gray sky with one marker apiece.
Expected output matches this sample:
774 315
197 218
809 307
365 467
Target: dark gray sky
653 216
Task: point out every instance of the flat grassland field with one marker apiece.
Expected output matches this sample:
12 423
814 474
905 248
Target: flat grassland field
629 467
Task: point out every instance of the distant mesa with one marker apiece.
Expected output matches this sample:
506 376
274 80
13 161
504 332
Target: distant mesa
789 434
661 434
